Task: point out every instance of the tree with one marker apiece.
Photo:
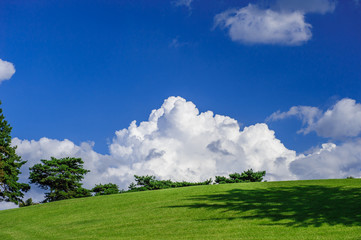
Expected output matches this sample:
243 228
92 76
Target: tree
61 176
105 189
10 163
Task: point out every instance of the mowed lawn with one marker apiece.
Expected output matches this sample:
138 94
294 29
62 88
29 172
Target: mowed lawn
319 209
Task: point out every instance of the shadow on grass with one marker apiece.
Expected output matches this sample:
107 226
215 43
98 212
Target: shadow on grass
292 206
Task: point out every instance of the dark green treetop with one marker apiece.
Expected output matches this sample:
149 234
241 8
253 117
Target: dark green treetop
10 163
105 189
246 176
144 183
61 176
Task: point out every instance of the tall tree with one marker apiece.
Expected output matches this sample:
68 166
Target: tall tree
61 176
10 163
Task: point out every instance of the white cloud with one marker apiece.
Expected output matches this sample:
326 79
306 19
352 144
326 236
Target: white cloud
330 161
253 25
340 121
306 6
305 113
7 70
180 143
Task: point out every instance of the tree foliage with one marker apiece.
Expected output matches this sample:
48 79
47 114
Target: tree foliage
61 177
105 189
144 183
10 163
246 176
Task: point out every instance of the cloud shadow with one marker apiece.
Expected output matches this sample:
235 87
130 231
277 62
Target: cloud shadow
299 206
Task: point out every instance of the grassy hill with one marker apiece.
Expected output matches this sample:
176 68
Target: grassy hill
321 209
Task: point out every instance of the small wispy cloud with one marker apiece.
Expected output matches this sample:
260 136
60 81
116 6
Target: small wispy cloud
306 113
7 70
280 22
259 26
176 43
184 3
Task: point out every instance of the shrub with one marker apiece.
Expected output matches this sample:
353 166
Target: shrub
28 202
246 176
144 183
105 189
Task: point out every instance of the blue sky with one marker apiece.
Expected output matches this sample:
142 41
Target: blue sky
85 69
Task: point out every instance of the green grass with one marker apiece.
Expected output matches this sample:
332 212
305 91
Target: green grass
321 209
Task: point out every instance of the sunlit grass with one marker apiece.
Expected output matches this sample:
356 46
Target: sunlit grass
322 209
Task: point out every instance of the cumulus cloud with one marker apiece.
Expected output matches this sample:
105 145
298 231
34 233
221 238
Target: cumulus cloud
340 121
7 70
330 161
264 26
180 143
194 146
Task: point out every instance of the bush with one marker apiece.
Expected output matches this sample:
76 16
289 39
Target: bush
246 176
28 202
144 183
105 189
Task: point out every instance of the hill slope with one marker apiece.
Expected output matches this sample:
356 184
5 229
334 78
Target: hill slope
320 209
